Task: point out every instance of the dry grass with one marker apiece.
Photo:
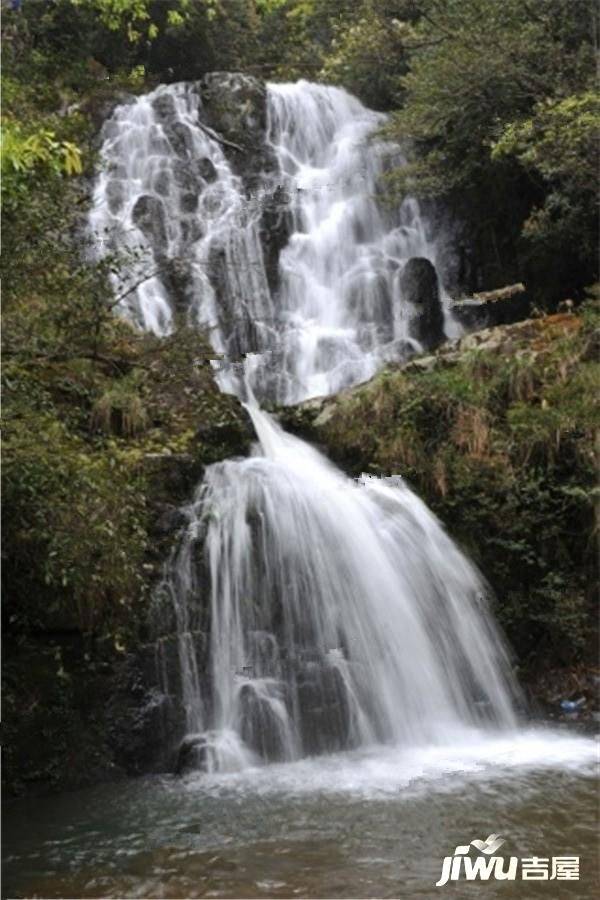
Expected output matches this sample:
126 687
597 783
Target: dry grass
120 412
471 431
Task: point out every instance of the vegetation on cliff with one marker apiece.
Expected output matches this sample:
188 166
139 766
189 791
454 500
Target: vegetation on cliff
499 437
106 430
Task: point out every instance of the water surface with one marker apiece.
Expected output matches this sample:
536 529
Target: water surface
372 823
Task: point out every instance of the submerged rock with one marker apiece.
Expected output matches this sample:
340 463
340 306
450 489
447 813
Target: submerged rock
192 754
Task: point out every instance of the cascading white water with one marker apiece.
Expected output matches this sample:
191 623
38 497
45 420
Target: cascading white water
168 195
340 295
339 613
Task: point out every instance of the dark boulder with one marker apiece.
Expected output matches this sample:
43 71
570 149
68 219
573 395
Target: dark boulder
172 476
180 138
206 170
275 226
193 754
149 216
234 106
324 709
164 107
169 520
144 716
419 287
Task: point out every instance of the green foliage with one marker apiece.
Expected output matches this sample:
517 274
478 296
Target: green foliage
367 55
559 143
77 518
21 154
295 35
120 409
87 398
500 112
134 17
28 157
479 66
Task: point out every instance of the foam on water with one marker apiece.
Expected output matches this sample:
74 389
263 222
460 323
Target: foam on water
380 773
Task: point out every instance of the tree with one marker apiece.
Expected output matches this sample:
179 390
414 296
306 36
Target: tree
479 68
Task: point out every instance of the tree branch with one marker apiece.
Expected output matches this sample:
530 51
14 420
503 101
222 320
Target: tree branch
220 140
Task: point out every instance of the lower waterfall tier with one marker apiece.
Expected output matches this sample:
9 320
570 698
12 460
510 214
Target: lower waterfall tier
340 614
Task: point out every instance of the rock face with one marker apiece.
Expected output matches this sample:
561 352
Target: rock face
149 216
275 230
324 708
420 287
491 308
104 712
235 106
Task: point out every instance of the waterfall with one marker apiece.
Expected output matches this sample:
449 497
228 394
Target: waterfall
168 196
338 613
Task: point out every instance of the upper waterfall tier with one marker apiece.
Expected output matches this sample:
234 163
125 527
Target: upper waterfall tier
284 246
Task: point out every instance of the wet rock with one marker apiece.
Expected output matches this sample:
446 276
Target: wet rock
164 107
324 710
145 718
191 175
371 299
275 228
419 287
235 107
191 755
172 475
490 308
206 169
115 195
188 203
180 138
259 729
178 279
169 521
397 351
149 216
99 107
237 433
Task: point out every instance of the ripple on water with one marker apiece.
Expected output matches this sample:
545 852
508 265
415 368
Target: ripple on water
375 823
